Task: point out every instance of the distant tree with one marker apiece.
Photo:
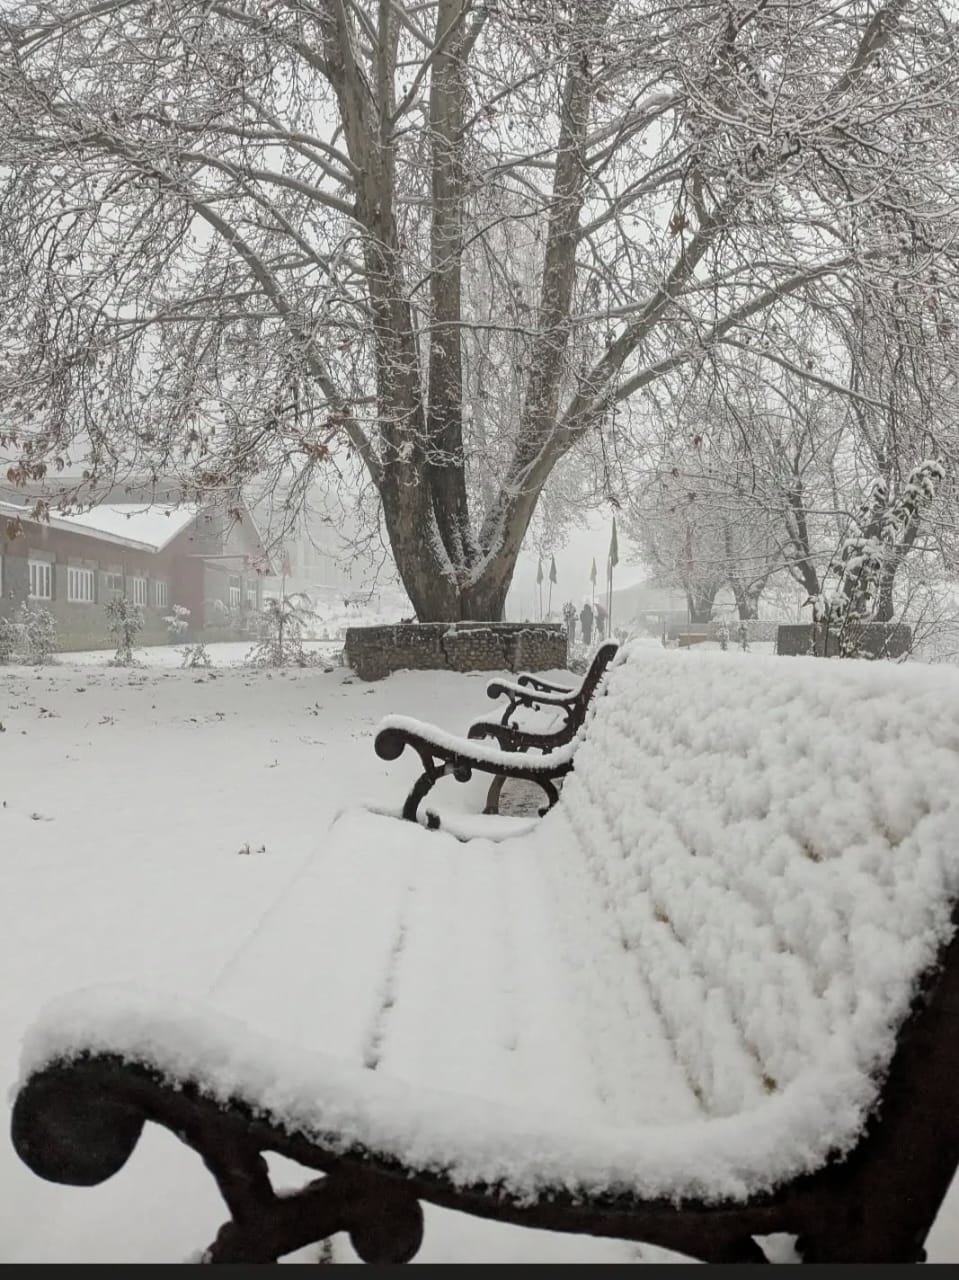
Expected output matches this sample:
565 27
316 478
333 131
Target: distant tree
282 625
885 525
758 472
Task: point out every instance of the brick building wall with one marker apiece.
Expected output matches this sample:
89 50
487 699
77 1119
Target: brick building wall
83 624
174 575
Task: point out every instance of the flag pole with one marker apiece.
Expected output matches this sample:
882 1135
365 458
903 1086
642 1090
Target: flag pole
612 563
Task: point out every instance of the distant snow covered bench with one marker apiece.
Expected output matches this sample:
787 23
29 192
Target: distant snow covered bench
444 753
711 997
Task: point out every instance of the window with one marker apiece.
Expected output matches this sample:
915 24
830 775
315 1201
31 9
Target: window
113 582
80 586
251 598
138 590
41 579
161 594
234 593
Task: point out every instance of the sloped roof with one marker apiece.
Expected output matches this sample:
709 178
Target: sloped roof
142 526
151 526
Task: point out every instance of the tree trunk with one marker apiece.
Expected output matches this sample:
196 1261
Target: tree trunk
885 607
447 471
885 603
700 604
747 601
438 590
434 599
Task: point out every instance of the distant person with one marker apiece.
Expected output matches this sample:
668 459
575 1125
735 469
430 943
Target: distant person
569 615
600 622
586 622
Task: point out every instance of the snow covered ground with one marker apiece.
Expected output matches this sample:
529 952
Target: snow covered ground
149 819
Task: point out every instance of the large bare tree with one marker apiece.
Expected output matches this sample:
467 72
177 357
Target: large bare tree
437 241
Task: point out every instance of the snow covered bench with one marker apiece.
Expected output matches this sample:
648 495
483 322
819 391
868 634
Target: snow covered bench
711 997
443 754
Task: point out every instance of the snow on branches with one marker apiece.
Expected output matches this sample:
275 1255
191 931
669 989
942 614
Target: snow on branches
885 528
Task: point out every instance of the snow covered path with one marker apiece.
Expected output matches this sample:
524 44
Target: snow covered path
127 798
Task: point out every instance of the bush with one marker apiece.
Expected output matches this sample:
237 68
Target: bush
192 655
36 638
126 623
281 626
177 621
8 639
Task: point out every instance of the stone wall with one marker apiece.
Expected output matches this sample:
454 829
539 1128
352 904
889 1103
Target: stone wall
878 639
374 652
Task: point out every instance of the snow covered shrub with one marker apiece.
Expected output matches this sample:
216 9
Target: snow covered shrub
724 635
177 621
191 655
281 627
195 655
744 637
126 622
228 616
8 639
36 630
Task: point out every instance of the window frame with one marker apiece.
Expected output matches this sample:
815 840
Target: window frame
46 571
161 593
139 590
87 593
235 591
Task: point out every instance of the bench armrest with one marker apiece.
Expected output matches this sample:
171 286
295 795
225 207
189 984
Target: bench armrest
544 686
526 696
445 753
512 737
397 732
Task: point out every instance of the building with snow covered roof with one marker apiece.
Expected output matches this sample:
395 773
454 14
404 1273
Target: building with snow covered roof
158 554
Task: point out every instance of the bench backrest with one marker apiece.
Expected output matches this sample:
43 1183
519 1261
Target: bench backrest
777 843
